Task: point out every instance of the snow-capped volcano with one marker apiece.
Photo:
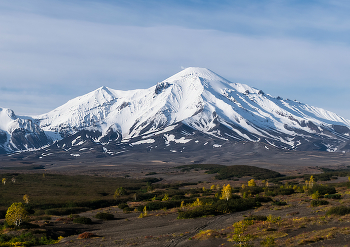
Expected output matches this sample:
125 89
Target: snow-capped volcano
197 101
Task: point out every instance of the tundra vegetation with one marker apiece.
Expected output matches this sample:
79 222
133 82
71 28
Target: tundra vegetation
63 198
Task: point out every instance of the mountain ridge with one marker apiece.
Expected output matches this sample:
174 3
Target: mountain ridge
199 99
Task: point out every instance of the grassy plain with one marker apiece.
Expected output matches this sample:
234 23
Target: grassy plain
77 210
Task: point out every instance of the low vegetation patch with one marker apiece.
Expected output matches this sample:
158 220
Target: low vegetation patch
339 210
25 239
104 216
235 171
85 235
82 220
332 196
216 207
316 203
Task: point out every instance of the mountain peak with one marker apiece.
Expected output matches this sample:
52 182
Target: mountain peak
203 101
196 72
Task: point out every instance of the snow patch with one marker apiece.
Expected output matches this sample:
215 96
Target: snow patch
171 138
143 142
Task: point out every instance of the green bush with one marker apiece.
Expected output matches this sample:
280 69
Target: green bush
316 203
274 191
279 203
198 212
332 196
26 239
220 207
156 205
82 220
122 205
254 190
322 189
104 216
235 171
339 210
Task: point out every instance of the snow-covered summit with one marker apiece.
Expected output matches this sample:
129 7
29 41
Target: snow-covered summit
195 96
201 100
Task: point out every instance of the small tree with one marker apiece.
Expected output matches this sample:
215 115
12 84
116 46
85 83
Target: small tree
311 182
226 192
165 198
4 181
149 187
197 203
119 192
26 198
13 180
268 242
239 235
15 214
316 195
251 183
212 187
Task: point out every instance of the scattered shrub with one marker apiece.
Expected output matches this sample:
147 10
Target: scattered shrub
24 239
279 203
274 191
316 203
82 220
268 242
220 207
86 235
157 205
104 216
253 190
339 210
332 196
230 172
122 205
150 173
322 189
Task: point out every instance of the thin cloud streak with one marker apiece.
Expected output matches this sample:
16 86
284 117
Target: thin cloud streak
52 54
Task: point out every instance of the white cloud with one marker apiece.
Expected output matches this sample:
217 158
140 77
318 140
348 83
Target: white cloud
46 59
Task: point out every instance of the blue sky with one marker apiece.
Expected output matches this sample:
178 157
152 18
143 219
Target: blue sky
52 51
